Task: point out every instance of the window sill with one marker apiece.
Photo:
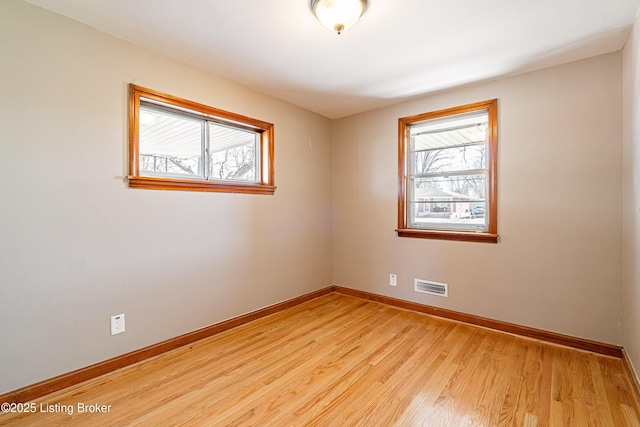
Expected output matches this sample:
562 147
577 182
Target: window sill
448 235
153 183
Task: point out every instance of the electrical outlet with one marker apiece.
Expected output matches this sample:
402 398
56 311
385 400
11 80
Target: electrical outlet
117 324
393 280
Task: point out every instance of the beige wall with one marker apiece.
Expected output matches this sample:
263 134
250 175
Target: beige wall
631 210
77 246
558 264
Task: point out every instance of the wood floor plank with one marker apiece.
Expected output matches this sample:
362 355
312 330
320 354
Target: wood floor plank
556 414
351 401
602 402
274 366
396 395
493 389
544 396
386 402
331 363
431 369
530 421
514 379
529 393
629 415
614 384
343 361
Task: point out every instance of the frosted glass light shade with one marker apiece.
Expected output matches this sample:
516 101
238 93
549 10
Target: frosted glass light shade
338 15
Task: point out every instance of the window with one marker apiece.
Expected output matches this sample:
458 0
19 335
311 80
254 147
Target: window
175 144
447 172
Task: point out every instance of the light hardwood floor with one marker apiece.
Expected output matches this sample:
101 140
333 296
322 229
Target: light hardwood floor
342 361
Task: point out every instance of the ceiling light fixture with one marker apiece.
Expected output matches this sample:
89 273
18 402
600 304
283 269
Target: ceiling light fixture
338 15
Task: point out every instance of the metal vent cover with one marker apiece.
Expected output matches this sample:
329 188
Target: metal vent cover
432 288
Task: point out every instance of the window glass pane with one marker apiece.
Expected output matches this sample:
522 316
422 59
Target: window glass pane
452 130
462 187
449 202
170 144
234 154
461 158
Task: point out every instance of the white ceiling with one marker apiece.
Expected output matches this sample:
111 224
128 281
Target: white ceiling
399 49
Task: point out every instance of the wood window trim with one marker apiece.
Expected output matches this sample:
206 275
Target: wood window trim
404 124
266 131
